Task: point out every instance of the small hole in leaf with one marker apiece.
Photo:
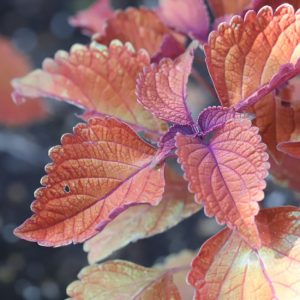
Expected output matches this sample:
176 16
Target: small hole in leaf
67 189
285 103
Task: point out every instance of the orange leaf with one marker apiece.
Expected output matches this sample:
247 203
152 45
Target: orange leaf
227 268
162 88
95 78
274 3
141 27
123 280
92 20
143 221
14 64
99 171
227 174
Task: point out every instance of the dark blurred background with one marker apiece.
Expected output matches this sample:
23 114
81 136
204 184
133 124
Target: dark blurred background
28 271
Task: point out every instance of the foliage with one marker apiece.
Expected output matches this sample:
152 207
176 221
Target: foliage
114 172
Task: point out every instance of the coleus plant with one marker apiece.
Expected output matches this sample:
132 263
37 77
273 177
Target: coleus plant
114 172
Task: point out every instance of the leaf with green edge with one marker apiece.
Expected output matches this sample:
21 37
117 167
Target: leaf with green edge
227 268
97 172
119 279
143 221
95 78
226 172
162 88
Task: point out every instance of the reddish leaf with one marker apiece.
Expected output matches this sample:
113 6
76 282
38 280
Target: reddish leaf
143 221
227 174
92 19
94 78
186 16
254 47
123 280
162 88
257 4
290 148
221 8
99 171
141 27
13 64
227 268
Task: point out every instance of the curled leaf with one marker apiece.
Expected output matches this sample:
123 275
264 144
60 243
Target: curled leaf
143 221
162 88
227 268
186 16
227 174
15 64
95 78
98 172
142 28
92 20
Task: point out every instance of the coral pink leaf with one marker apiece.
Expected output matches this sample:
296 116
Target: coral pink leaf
162 88
143 221
15 64
141 27
102 168
215 117
227 174
95 78
227 268
245 59
186 16
290 148
254 47
123 280
285 73
92 19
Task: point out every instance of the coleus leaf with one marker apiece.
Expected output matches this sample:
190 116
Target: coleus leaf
96 78
119 279
143 28
226 172
98 172
186 16
92 20
253 45
162 88
15 64
227 268
143 221
257 4
221 8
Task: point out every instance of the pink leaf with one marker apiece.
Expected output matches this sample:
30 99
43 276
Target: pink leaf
162 88
227 174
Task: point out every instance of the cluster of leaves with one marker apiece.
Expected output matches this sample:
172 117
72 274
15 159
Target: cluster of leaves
114 170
